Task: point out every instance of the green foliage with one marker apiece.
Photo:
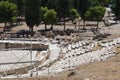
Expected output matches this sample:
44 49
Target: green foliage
8 11
117 9
95 13
55 4
99 2
50 16
43 11
105 2
73 14
63 8
44 3
32 13
76 5
113 5
94 3
84 6
21 7
51 4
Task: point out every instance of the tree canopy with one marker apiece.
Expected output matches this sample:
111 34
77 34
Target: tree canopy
35 11
84 6
117 9
95 13
8 12
74 14
50 17
63 9
32 13
94 3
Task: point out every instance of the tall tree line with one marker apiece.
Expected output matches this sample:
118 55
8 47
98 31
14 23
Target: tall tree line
32 12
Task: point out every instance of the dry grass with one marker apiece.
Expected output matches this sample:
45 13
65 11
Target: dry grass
105 70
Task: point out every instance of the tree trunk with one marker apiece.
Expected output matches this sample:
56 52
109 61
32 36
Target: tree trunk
83 24
75 22
75 27
5 25
64 24
31 29
116 20
79 24
97 25
45 27
52 27
72 20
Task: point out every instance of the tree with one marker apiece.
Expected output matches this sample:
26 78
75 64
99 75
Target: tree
113 4
20 5
43 11
50 17
8 12
95 14
73 15
77 5
94 3
52 4
84 5
105 2
32 13
63 9
72 4
44 3
117 9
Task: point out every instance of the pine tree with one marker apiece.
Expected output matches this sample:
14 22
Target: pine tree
84 5
8 12
32 13
63 9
